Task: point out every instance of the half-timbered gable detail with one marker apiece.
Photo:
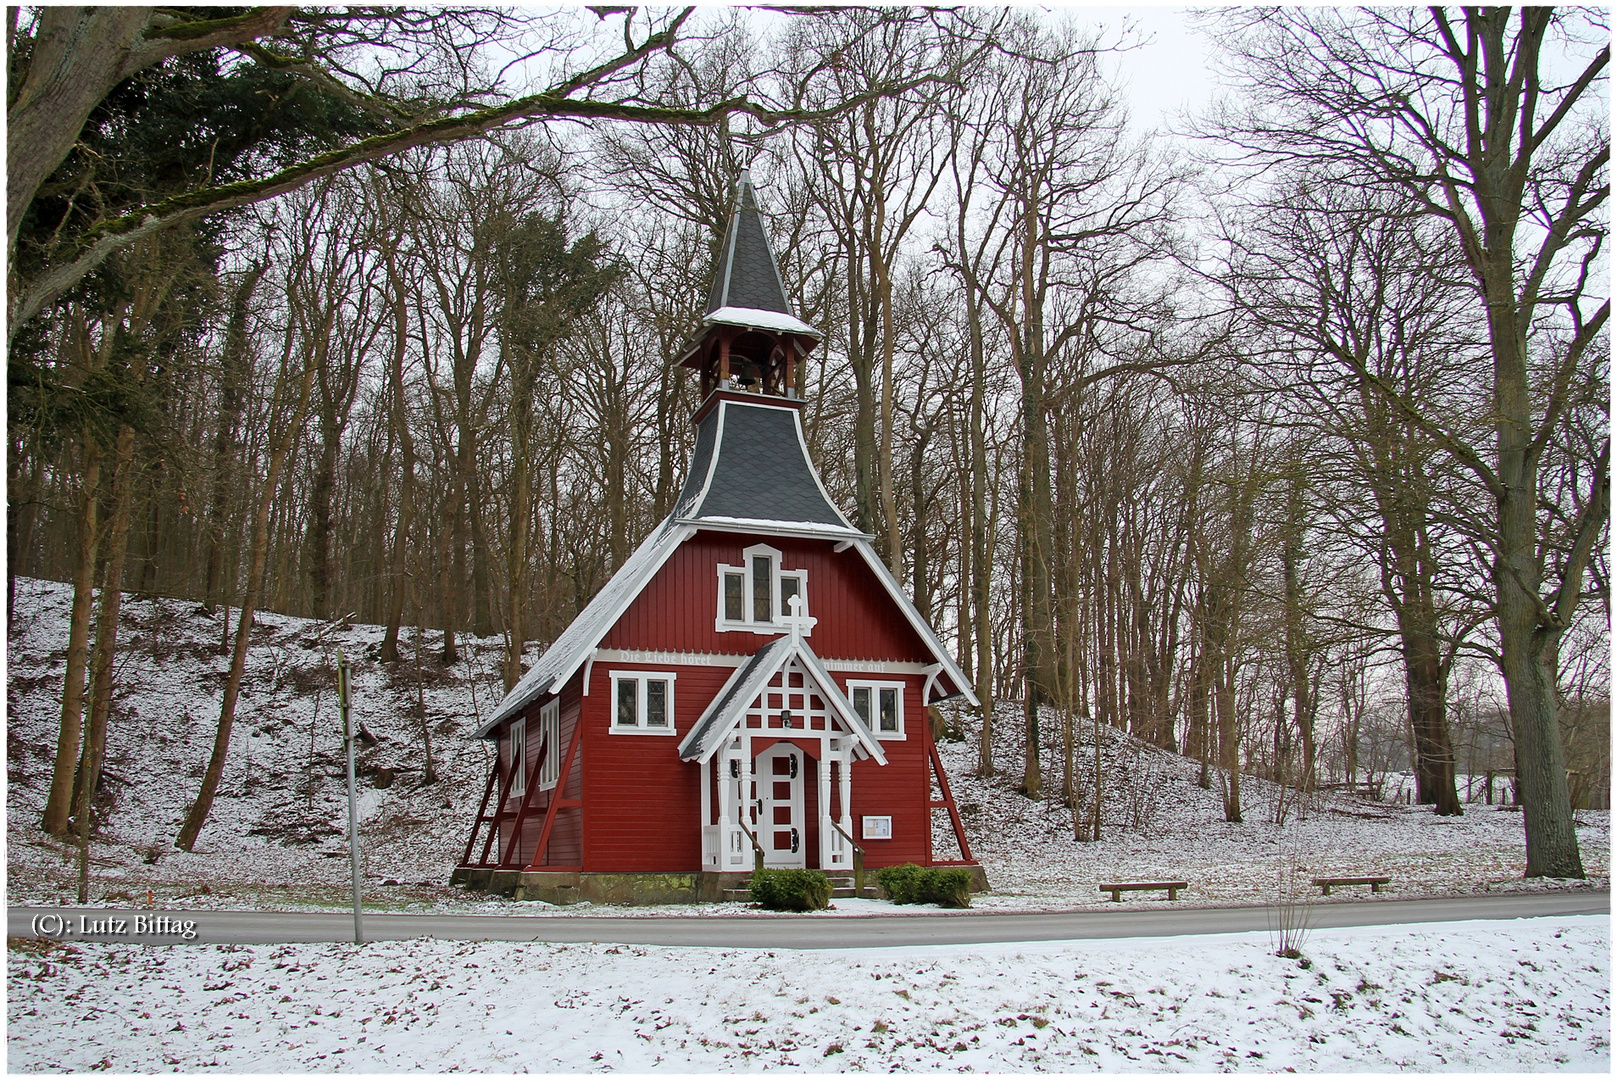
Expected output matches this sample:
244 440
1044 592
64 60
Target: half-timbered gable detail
750 688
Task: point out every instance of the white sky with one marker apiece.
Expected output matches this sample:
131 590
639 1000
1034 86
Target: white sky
1168 73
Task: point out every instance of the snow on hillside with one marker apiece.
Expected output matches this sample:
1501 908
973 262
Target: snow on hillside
1159 825
1510 996
277 834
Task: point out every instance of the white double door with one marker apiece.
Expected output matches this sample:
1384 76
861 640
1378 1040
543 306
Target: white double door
777 805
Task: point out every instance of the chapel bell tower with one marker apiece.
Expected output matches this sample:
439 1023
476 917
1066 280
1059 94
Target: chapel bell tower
750 340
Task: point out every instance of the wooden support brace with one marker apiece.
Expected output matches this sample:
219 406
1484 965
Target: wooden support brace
557 800
499 809
948 801
527 801
482 807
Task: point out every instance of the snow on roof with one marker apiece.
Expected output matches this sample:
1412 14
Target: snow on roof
729 708
758 319
563 657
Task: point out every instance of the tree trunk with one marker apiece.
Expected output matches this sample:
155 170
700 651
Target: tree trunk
1229 741
234 362
60 801
197 815
106 648
79 55
1298 648
398 583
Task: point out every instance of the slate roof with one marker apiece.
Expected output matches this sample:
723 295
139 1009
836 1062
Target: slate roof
747 275
751 465
730 706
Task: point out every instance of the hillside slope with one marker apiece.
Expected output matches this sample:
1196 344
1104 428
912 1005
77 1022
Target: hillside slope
277 834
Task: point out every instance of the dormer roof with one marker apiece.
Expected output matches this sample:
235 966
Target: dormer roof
747 287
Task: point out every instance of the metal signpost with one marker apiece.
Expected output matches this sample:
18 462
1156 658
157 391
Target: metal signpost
353 810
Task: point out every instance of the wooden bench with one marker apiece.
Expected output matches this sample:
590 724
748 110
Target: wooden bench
1327 883
1118 888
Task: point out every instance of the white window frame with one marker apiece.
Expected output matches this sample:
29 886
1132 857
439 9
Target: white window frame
776 571
876 686
550 735
641 678
518 757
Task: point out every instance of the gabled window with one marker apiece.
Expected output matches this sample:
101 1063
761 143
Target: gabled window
550 744
756 595
643 703
880 705
517 759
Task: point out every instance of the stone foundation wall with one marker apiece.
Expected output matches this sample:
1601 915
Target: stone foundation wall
571 887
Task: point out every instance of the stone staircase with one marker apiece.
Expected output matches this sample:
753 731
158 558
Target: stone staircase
841 888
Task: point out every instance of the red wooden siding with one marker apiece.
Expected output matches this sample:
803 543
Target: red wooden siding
642 805
643 810
677 608
566 835
899 788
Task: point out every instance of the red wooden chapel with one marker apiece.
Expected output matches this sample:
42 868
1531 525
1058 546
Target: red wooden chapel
752 684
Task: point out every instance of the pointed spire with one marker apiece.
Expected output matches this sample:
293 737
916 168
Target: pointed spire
748 276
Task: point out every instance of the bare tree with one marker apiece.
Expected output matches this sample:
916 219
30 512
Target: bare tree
1467 120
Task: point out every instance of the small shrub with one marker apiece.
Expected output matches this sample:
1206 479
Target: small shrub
900 883
949 887
911 884
792 890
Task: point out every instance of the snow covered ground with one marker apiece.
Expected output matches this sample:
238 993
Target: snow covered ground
1515 996
276 838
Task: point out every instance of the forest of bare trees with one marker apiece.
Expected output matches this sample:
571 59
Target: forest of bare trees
1281 442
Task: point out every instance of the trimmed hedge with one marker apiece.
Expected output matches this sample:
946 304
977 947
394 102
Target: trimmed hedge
791 890
948 887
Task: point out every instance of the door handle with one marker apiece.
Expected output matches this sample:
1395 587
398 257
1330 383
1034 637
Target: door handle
794 841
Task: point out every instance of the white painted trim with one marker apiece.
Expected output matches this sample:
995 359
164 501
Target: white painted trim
674 544
746 624
589 669
807 530
550 734
733 660
876 687
641 678
760 319
712 457
732 238
517 740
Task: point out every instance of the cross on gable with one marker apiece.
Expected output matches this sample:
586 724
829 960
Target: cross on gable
797 623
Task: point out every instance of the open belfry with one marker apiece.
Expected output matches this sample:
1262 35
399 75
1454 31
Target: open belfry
750 688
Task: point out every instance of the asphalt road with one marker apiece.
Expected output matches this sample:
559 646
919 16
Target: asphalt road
783 932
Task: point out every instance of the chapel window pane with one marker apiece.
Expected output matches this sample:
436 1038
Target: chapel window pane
861 703
789 586
763 606
734 584
628 706
656 703
889 709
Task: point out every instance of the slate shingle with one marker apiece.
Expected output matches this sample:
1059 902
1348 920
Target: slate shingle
747 276
762 472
